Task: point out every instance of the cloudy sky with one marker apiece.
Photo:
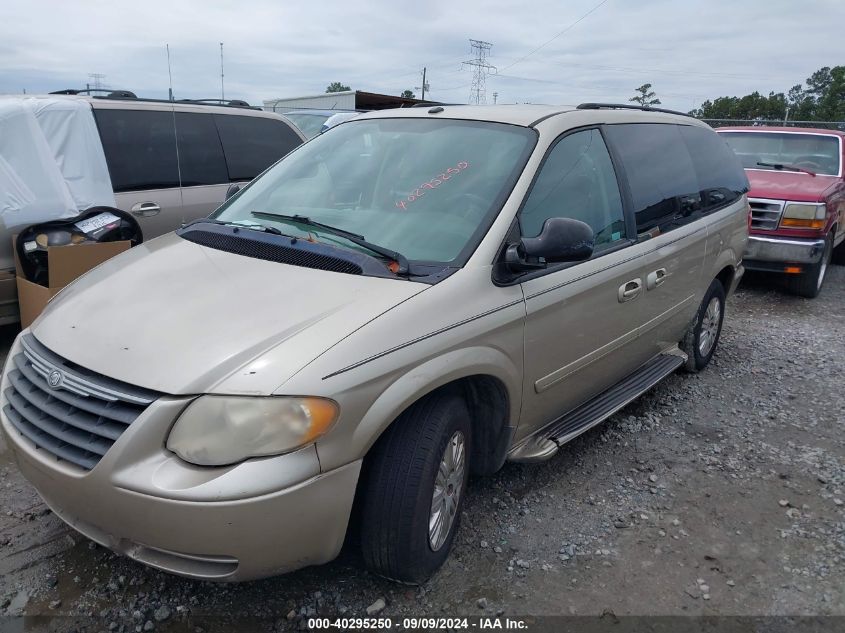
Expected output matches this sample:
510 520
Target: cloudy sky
690 50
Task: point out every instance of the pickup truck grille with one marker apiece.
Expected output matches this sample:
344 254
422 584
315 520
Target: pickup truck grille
765 214
71 413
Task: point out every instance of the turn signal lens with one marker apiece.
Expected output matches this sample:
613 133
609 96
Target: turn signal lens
797 223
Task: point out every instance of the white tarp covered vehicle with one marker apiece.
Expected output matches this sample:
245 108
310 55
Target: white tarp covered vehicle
52 166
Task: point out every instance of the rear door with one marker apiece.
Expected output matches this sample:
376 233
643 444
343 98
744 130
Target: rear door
582 319
140 149
678 177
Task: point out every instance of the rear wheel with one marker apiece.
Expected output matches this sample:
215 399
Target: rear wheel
809 284
414 489
703 336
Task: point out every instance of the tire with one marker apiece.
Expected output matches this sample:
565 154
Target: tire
703 335
838 255
401 472
809 284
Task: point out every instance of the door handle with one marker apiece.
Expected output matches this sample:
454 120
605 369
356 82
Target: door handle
655 278
630 290
145 209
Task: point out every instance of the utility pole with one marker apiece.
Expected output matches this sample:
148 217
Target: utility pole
169 75
495 98
478 91
222 91
424 86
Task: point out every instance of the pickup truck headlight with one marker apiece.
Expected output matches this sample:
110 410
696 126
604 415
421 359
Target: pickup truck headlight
221 430
804 216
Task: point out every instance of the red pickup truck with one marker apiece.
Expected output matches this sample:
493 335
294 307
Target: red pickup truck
797 199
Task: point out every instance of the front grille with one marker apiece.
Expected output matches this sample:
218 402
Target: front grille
765 214
69 412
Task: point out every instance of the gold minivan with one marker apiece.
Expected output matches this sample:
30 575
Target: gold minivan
412 296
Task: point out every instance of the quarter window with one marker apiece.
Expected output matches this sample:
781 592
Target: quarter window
721 179
252 143
577 181
140 148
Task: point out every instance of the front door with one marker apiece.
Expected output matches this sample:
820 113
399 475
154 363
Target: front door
582 319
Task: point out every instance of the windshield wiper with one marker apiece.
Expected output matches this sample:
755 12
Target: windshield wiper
360 240
787 167
252 227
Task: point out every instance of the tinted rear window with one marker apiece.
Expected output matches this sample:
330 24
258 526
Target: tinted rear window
676 173
252 144
140 148
200 153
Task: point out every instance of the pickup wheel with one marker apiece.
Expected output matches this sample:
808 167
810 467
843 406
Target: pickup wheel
703 335
838 255
809 284
414 487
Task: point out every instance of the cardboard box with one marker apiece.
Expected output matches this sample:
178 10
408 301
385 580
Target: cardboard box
64 263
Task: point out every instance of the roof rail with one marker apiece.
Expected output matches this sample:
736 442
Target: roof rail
235 103
110 93
626 106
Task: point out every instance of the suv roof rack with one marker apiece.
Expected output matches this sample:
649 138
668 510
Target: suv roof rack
626 106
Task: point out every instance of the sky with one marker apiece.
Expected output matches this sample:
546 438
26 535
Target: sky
544 51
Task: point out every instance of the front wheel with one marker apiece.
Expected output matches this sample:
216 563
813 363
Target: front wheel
703 335
809 284
414 489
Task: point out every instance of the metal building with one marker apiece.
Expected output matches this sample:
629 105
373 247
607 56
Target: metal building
348 100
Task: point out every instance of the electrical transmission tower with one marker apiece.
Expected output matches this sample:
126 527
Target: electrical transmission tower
478 92
98 80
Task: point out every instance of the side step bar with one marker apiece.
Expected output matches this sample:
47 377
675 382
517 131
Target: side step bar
545 443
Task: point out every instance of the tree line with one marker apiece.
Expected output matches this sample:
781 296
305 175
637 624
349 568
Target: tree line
820 98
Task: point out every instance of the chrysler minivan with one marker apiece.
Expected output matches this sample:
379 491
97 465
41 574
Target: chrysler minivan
411 297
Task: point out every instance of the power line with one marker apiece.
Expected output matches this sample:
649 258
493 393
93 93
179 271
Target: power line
546 43
478 92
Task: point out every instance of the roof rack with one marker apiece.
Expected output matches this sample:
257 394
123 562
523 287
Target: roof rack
110 93
625 106
234 103
128 94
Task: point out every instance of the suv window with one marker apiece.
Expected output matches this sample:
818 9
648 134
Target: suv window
661 175
252 144
577 181
201 160
140 148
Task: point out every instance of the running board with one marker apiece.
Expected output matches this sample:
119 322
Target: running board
545 443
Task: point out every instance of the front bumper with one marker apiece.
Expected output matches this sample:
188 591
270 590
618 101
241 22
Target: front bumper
255 519
774 253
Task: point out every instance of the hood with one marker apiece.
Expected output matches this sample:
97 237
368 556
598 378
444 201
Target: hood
181 318
788 185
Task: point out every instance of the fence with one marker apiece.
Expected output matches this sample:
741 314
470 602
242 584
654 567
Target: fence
824 125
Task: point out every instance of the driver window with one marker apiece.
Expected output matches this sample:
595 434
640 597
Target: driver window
577 181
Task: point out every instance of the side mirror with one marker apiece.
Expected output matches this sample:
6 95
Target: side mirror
561 240
232 190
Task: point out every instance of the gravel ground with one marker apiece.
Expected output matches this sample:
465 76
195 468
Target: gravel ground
715 494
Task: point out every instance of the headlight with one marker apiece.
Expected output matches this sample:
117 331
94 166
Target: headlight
220 430
804 216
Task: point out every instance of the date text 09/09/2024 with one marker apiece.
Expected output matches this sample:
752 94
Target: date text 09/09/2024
411 624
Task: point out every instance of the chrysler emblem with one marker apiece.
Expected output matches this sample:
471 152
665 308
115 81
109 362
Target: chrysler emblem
54 379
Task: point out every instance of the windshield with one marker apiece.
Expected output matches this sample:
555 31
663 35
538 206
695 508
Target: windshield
425 188
816 152
309 124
